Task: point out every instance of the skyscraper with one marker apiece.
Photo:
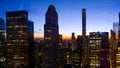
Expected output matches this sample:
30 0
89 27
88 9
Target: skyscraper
31 44
94 45
113 49
119 28
104 51
2 44
83 22
17 39
99 50
118 47
116 29
2 30
73 41
51 37
85 47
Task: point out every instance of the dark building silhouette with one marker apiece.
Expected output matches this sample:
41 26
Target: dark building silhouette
113 49
104 51
51 37
2 31
19 39
83 22
116 29
73 41
118 47
113 34
2 44
119 28
31 44
85 41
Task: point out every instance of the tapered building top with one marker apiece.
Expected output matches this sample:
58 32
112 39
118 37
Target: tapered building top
83 22
51 16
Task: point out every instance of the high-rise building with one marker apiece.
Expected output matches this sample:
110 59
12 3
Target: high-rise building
113 49
73 41
51 37
2 44
104 51
76 53
116 28
17 29
94 49
2 30
85 47
119 28
31 44
118 48
83 22
99 50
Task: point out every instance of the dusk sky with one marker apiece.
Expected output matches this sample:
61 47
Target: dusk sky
100 14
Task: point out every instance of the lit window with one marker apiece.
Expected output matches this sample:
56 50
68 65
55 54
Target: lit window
68 56
48 30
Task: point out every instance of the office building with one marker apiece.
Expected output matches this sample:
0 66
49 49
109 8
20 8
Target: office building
118 47
31 44
17 39
99 50
2 31
119 28
83 22
73 41
115 29
51 37
104 51
2 44
113 49
94 45
85 41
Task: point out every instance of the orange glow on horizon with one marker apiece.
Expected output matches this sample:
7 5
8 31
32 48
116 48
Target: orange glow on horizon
38 36
65 37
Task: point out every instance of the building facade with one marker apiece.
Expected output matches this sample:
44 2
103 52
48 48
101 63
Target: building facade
115 29
85 41
51 37
94 51
17 39
2 44
99 50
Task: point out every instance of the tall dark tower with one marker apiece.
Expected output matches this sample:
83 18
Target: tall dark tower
85 42
119 28
51 37
84 22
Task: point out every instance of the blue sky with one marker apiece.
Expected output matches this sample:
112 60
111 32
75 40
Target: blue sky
100 13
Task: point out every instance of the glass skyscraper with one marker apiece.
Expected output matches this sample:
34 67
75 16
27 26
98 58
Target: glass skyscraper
17 39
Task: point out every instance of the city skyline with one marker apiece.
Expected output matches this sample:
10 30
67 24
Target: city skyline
74 34
100 14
